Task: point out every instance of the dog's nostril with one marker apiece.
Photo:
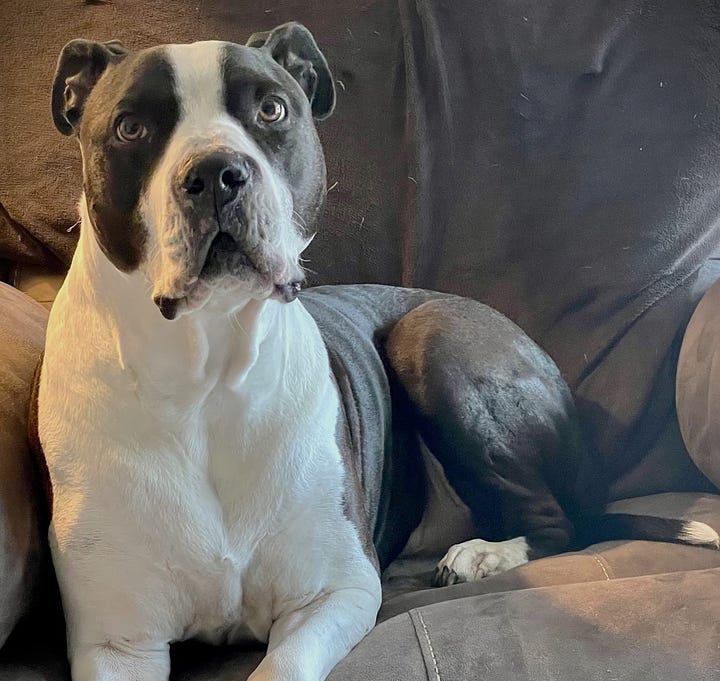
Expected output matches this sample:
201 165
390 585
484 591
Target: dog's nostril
234 177
228 178
196 186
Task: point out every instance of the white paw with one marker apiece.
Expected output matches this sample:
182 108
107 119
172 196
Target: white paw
472 560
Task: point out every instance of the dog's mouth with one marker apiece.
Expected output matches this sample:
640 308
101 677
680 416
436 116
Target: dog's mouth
227 261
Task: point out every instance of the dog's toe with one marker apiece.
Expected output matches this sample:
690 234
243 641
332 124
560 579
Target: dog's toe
475 559
445 577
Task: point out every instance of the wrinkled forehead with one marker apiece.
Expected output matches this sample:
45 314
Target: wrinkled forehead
176 82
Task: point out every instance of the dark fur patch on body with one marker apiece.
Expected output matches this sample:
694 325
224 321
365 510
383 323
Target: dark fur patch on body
347 434
494 410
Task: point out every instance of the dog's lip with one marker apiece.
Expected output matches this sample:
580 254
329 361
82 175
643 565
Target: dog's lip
288 292
284 291
168 307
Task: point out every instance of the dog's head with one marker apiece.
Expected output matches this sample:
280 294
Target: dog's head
202 168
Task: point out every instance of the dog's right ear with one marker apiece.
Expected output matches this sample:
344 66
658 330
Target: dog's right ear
79 68
294 48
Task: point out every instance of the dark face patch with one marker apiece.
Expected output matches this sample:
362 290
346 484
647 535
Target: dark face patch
291 146
116 171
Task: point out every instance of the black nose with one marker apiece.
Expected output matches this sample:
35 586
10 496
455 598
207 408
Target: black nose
219 178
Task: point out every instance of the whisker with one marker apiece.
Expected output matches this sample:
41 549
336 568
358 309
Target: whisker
238 325
307 269
300 217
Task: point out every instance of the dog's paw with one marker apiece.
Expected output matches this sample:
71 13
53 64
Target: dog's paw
472 560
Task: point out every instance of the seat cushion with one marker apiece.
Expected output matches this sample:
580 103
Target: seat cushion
22 549
406 582
585 596
652 628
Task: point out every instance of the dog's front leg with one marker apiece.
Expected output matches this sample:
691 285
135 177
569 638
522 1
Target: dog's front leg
116 662
305 644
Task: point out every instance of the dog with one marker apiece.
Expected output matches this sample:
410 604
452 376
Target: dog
231 458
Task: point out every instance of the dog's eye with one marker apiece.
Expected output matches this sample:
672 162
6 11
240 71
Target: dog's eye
128 128
272 110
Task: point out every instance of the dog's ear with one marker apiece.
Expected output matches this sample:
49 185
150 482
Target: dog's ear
294 48
79 68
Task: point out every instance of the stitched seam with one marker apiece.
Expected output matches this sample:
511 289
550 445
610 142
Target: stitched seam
432 652
602 566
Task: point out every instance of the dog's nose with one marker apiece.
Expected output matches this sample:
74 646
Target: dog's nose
219 177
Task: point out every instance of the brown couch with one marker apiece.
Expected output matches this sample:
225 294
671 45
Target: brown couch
555 159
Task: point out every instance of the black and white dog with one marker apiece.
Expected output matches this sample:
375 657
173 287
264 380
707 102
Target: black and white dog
223 460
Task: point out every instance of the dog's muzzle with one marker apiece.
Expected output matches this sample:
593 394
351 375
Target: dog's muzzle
222 196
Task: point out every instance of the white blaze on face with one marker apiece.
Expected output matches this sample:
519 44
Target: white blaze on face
205 125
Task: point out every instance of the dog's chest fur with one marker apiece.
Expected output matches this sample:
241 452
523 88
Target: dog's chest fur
216 484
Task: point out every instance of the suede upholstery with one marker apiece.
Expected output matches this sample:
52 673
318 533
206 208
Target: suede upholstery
698 385
22 335
575 631
561 156
406 581
555 159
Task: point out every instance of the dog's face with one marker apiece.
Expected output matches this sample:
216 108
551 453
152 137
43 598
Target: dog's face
202 168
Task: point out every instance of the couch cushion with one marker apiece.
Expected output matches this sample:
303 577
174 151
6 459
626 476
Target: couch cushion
22 335
653 628
406 581
698 385
40 283
399 649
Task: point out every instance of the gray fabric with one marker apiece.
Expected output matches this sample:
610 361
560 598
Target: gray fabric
22 336
698 385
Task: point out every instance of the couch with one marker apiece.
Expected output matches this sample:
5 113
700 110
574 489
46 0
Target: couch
556 159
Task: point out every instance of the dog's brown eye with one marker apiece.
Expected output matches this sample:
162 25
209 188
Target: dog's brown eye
129 128
272 110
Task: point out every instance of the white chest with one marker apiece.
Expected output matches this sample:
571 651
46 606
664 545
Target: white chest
199 486
240 505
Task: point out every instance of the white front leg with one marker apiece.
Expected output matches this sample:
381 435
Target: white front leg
114 662
306 644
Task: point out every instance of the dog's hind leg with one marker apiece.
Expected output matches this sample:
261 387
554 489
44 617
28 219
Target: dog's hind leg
494 410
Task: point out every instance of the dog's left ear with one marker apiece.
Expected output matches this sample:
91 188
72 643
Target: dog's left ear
294 48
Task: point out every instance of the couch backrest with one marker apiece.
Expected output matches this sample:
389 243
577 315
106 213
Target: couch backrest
556 159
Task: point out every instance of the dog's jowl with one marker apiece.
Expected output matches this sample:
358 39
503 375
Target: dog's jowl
222 450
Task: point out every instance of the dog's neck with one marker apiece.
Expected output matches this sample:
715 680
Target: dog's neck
253 344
